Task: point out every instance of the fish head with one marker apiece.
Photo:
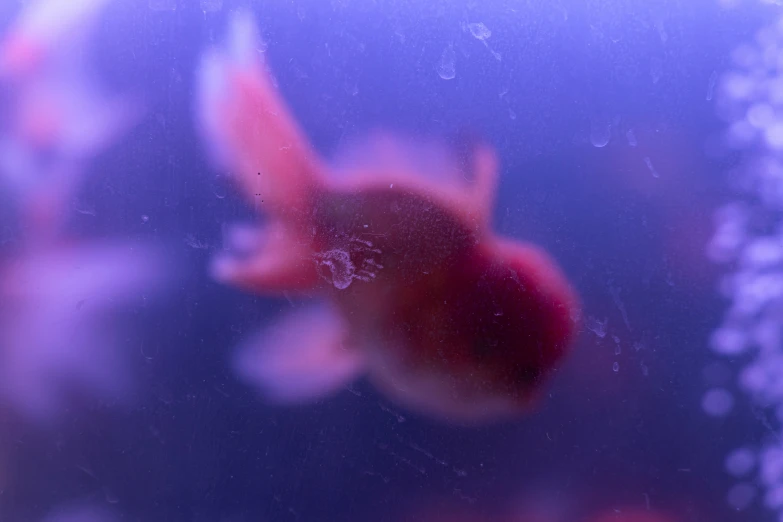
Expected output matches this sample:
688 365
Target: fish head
477 341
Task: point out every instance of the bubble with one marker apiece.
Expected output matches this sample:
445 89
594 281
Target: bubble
753 378
773 134
717 374
740 496
600 132
763 252
741 134
761 115
740 462
775 91
745 56
771 462
774 497
767 335
728 341
751 97
739 86
717 402
219 191
446 66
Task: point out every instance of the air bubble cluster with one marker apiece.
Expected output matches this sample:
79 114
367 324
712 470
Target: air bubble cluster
748 239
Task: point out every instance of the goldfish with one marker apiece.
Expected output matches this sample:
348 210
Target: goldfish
405 281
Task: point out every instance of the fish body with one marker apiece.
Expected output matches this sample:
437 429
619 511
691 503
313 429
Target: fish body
412 286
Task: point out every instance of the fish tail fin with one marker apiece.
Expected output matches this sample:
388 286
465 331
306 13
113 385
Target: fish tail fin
301 358
248 127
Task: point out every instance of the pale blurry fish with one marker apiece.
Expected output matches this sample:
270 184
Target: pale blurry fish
61 300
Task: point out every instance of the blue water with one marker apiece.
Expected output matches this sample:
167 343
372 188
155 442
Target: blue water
605 121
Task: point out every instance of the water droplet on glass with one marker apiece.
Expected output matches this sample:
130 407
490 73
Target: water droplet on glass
711 85
596 326
144 218
600 132
352 89
662 31
163 5
656 70
446 66
211 6
649 164
512 114
616 367
631 137
479 31
335 266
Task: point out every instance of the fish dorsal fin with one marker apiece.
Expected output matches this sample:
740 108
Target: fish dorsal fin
463 174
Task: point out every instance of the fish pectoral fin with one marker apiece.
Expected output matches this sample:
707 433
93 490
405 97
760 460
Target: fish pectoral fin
302 357
279 261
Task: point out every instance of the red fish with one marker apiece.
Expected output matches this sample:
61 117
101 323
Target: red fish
414 288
